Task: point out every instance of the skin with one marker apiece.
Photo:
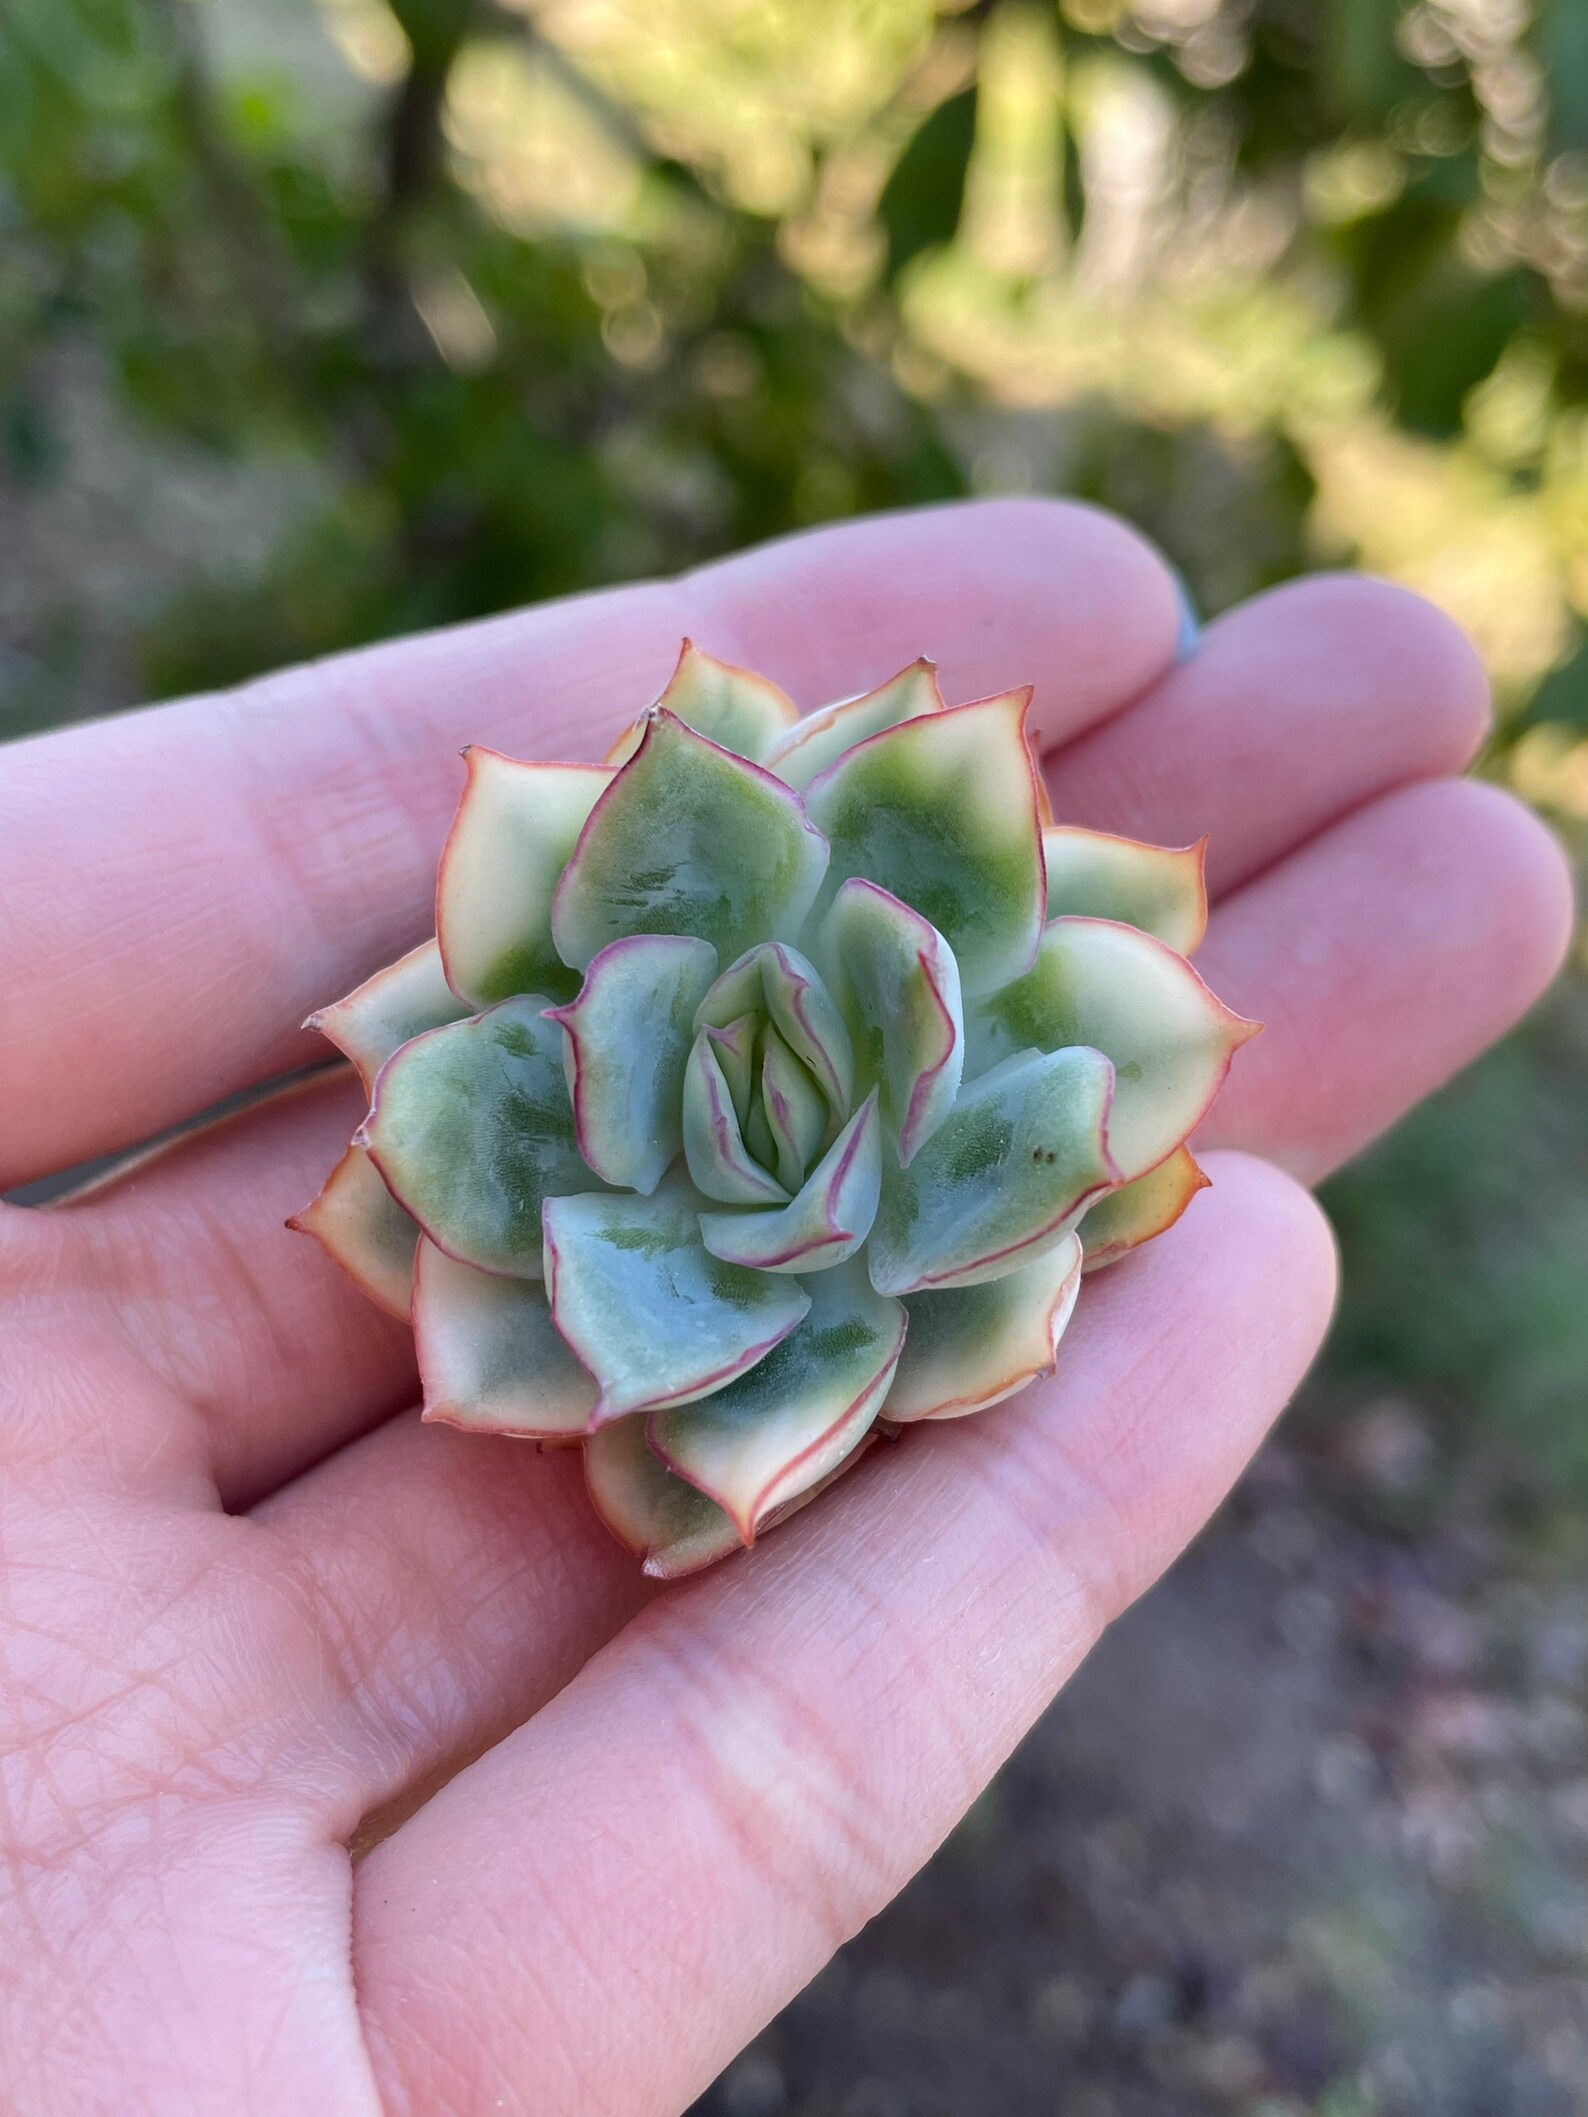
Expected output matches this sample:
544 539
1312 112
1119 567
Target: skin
253 1614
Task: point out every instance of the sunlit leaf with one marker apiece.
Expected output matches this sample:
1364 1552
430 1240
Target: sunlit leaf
785 1426
490 1358
688 840
357 1221
629 1034
1022 1152
972 1346
654 1316
472 1128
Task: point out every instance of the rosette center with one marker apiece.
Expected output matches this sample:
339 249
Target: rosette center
769 1082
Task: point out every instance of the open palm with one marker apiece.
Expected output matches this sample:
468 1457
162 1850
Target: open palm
255 1618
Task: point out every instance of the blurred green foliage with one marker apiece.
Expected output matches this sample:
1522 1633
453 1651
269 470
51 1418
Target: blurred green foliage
517 298
1464 1237
325 319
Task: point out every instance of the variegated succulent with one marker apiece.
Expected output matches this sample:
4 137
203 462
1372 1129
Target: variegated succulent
765 1087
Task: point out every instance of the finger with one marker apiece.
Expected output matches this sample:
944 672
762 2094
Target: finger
180 887
1382 958
1297 707
599 1912
269 1354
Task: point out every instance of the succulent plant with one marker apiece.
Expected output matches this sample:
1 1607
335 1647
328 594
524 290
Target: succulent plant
767 1087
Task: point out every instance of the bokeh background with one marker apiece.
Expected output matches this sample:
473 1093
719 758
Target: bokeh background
326 319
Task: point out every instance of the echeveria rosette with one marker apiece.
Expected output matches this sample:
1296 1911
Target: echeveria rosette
769 1085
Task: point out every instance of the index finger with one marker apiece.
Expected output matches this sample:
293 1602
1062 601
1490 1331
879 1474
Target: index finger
180 887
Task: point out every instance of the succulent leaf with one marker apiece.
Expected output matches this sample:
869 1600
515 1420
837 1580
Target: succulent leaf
826 1223
732 707
1127 994
821 738
357 1221
629 1034
719 1161
972 1346
1161 889
490 1358
515 830
734 1049
942 813
1023 1151
758 1135
778 981
643 1303
658 1516
662 1518
788 1423
897 983
796 1110
399 1002
1137 1211
688 839
472 1128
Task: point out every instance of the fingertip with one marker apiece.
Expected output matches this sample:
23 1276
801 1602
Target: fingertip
1533 909
1189 636
1295 709
1443 668
1419 658
1386 955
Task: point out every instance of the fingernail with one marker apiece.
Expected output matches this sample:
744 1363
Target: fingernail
1189 637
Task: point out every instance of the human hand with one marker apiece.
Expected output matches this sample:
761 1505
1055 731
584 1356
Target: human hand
252 1612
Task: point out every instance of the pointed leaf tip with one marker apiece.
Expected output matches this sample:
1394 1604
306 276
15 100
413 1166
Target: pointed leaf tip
971 1347
688 839
785 1426
730 706
672 1525
514 832
664 1520
942 812
736 707
1126 993
1138 1211
359 1224
822 737
472 1128
396 1004
1160 889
